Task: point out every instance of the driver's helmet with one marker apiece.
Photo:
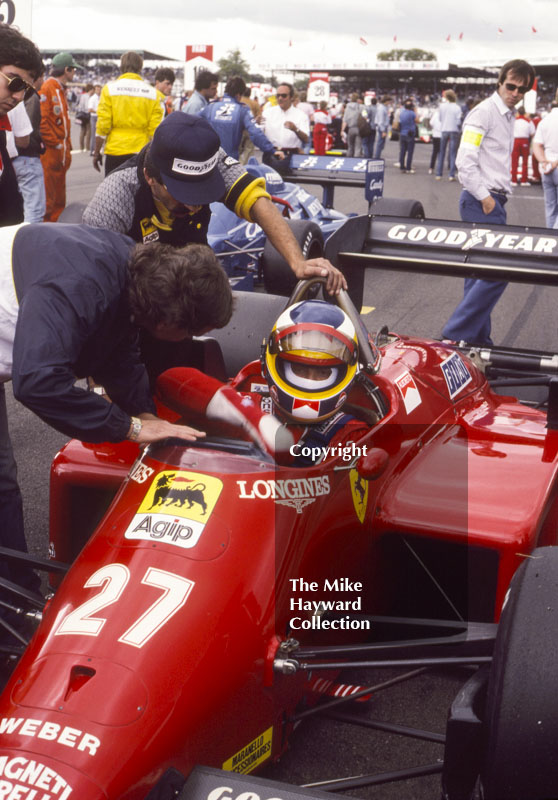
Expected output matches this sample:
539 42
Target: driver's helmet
311 360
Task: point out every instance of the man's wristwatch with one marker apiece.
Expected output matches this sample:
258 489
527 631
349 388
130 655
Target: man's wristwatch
135 429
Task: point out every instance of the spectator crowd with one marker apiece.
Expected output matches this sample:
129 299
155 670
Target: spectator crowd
277 125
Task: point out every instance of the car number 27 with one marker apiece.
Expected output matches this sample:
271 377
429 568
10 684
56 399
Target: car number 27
113 579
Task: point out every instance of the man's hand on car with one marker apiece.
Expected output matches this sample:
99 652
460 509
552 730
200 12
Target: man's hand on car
321 267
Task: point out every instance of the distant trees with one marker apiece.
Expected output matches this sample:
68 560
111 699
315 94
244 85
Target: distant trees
414 54
233 64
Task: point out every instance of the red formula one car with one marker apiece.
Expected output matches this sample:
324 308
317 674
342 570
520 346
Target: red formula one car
221 593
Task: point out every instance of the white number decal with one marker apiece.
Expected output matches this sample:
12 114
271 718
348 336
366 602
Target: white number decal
175 593
113 578
251 230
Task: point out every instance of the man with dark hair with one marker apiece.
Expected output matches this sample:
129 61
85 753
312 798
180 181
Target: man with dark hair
72 300
21 63
483 163
27 164
21 66
164 80
56 133
128 113
163 194
230 117
177 292
205 89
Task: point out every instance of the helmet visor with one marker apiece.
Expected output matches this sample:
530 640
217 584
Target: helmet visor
319 343
311 377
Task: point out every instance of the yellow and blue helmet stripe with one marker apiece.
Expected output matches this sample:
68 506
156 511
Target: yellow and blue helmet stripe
311 360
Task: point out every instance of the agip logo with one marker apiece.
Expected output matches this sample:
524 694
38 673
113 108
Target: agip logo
176 508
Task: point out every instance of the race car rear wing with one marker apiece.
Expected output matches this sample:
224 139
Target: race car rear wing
458 249
331 171
442 247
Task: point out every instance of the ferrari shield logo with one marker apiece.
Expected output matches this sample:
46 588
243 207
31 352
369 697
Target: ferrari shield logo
359 491
176 508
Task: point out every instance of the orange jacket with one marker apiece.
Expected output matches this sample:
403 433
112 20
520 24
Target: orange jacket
55 119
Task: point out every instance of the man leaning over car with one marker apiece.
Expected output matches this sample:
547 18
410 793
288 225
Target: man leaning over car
72 299
163 194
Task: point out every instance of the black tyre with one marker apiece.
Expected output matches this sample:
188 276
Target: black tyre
277 275
521 720
397 207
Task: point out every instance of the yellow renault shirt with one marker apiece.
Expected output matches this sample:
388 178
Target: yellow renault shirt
128 113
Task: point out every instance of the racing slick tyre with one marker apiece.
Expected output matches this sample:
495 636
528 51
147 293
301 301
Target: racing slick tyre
521 720
278 277
397 207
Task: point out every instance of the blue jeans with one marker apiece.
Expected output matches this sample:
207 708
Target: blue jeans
380 142
93 123
471 319
31 182
368 145
406 150
453 138
550 189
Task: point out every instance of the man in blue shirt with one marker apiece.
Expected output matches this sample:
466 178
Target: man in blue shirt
205 89
381 121
230 117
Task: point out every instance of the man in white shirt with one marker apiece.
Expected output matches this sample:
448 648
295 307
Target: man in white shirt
523 132
21 129
285 126
92 107
26 155
545 150
484 169
308 108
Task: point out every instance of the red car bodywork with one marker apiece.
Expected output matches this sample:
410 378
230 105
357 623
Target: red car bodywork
158 651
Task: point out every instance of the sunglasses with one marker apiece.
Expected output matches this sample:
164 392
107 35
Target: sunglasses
17 84
512 87
283 95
